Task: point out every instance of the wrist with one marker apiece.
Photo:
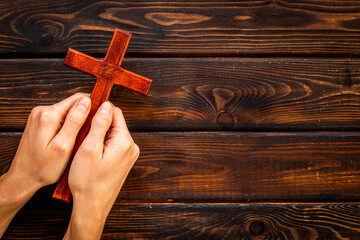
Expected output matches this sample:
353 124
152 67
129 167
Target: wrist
16 190
87 219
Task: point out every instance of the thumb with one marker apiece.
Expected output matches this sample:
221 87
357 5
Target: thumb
99 126
73 122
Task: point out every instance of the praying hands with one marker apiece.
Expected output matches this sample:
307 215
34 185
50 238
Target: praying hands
97 172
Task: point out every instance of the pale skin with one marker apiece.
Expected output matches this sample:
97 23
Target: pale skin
97 172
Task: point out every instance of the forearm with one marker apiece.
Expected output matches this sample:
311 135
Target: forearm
98 172
14 193
87 219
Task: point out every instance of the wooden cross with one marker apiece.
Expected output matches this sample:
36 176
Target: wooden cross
108 72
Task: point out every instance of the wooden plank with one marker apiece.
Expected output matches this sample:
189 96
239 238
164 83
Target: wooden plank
177 27
202 93
212 166
201 221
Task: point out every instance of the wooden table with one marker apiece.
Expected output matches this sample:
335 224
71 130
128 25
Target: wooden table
250 130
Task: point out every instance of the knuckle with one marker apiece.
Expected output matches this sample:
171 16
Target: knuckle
60 148
47 114
74 120
89 150
122 134
35 111
128 144
136 151
101 122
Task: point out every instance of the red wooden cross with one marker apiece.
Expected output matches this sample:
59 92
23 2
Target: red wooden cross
108 72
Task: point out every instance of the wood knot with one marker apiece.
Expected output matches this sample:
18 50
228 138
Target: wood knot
257 228
46 39
225 120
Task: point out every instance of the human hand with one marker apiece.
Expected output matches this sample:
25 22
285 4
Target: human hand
98 172
43 153
48 140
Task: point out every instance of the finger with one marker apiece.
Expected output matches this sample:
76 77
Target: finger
118 119
118 128
118 141
99 126
74 121
65 105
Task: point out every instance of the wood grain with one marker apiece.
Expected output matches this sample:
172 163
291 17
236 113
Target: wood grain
242 135
202 93
177 27
230 221
215 166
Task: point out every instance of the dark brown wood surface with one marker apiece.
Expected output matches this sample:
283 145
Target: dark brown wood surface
232 221
202 93
182 27
212 166
251 129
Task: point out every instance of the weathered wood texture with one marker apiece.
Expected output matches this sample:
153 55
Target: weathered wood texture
201 221
178 27
236 167
302 76
202 93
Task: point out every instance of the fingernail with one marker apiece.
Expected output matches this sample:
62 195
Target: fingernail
84 104
105 108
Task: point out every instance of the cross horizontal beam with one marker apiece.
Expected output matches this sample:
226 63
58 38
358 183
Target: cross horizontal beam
109 72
